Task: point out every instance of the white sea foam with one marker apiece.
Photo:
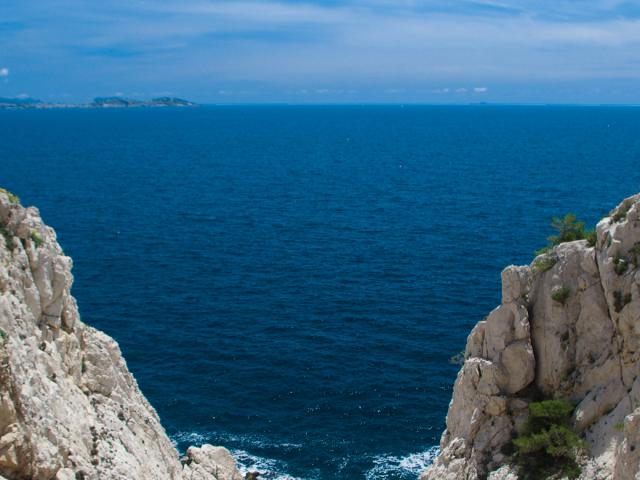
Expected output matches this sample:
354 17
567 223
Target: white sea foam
220 438
387 467
268 468
192 438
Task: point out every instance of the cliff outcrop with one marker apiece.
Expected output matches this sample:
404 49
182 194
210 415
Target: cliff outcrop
69 407
568 327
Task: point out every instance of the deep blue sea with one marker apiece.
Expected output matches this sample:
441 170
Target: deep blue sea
291 282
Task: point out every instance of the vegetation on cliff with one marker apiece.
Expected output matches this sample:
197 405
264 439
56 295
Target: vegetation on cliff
546 445
568 229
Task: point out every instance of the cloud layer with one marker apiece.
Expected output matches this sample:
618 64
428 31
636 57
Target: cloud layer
352 50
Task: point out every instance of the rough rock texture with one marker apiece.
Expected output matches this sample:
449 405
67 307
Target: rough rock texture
585 349
209 460
69 408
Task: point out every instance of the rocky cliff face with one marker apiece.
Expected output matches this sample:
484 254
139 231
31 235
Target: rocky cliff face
69 408
584 347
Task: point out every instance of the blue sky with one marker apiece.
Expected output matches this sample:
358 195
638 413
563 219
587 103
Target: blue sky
334 51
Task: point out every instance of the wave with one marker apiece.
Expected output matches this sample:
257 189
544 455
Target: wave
245 441
268 468
385 466
388 467
192 438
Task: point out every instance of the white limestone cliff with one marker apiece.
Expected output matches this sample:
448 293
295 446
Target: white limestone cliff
69 407
585 350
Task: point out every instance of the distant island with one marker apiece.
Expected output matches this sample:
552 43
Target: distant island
98 102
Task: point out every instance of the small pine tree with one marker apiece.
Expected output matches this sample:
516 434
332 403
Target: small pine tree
569 228
546 445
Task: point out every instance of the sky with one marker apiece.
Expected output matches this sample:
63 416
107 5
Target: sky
331 51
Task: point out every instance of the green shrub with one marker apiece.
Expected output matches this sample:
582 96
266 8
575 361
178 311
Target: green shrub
621 212
618 426
620 300
568 229
635 254
8 237
12 198
561 294
457 359
543 263
620 265
546 445
3 335
544 250
36 238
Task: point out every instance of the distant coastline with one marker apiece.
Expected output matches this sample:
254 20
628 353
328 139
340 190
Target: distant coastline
98 102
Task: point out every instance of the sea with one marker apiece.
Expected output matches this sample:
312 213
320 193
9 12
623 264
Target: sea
291 282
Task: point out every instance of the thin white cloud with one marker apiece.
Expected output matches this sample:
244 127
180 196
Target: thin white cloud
4 72
461 90
263 12
226 46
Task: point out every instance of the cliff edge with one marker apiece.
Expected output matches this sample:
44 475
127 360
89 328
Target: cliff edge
69 407
568 328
